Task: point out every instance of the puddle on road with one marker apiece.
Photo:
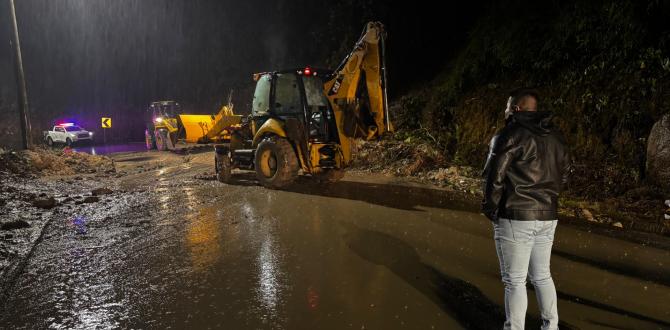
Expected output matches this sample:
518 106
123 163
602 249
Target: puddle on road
111 149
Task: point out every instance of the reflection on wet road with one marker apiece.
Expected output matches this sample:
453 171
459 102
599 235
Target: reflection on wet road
360 254
110 148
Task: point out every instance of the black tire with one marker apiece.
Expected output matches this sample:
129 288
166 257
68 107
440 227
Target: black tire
161 140
170 140
223 167
68 142
50 142
330 176
275 163
149 140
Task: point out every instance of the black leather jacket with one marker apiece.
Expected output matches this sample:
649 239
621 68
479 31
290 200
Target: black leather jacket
527 167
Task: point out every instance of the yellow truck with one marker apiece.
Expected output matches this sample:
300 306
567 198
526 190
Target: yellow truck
306 119
169 129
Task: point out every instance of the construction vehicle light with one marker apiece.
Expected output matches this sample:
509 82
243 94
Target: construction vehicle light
158 119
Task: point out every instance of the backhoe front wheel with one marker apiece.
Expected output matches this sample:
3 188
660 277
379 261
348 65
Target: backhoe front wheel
161 140
149 140
223 167
276 163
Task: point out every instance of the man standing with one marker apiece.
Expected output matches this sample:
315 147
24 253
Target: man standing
527 167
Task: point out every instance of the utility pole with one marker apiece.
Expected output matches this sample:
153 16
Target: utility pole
20 81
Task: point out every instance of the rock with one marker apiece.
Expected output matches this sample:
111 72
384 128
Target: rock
45 203
16 224
666 216
91 199
618 225
588 215
452 170
658 151
101 191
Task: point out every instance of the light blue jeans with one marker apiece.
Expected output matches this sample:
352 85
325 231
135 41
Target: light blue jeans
524 250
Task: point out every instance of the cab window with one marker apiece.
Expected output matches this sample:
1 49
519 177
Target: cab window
314 92
261 103
287 94
59 129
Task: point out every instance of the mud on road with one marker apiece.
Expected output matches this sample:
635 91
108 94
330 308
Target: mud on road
168 246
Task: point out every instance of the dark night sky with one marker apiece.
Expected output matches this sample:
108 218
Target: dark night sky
90 58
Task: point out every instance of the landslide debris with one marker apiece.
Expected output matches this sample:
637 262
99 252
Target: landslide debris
50 162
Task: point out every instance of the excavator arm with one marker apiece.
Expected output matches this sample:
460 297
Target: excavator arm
357 88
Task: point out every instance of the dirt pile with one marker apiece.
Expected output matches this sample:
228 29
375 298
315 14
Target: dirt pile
45 162
417 160
396 157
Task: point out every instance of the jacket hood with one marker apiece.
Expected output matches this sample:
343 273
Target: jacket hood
538 122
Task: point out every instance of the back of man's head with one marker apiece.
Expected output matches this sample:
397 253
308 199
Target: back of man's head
525 99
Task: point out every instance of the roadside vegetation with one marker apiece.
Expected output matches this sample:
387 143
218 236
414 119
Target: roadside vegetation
603 68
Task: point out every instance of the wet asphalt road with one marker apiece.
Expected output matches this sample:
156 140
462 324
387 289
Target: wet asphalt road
169 250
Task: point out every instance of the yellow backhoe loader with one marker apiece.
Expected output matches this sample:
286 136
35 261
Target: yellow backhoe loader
166 130
306 119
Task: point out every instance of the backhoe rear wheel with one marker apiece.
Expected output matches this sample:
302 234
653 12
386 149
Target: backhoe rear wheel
276 163
223 167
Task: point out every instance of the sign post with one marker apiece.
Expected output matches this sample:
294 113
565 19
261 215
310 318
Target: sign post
105 123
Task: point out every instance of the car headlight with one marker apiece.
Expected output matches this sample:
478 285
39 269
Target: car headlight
90 133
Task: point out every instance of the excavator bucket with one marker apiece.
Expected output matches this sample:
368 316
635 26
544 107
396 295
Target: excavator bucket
196 126
208 128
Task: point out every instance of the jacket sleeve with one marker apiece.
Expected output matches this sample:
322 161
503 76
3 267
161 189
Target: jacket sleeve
503 152
567 170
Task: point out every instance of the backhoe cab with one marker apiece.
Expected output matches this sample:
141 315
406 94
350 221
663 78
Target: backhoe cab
305 119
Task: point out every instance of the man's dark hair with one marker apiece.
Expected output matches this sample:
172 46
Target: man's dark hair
520 95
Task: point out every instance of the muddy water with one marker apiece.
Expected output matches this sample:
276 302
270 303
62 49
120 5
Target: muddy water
365 253
106 149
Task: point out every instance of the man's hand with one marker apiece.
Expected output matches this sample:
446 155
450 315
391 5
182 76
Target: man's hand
492 215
